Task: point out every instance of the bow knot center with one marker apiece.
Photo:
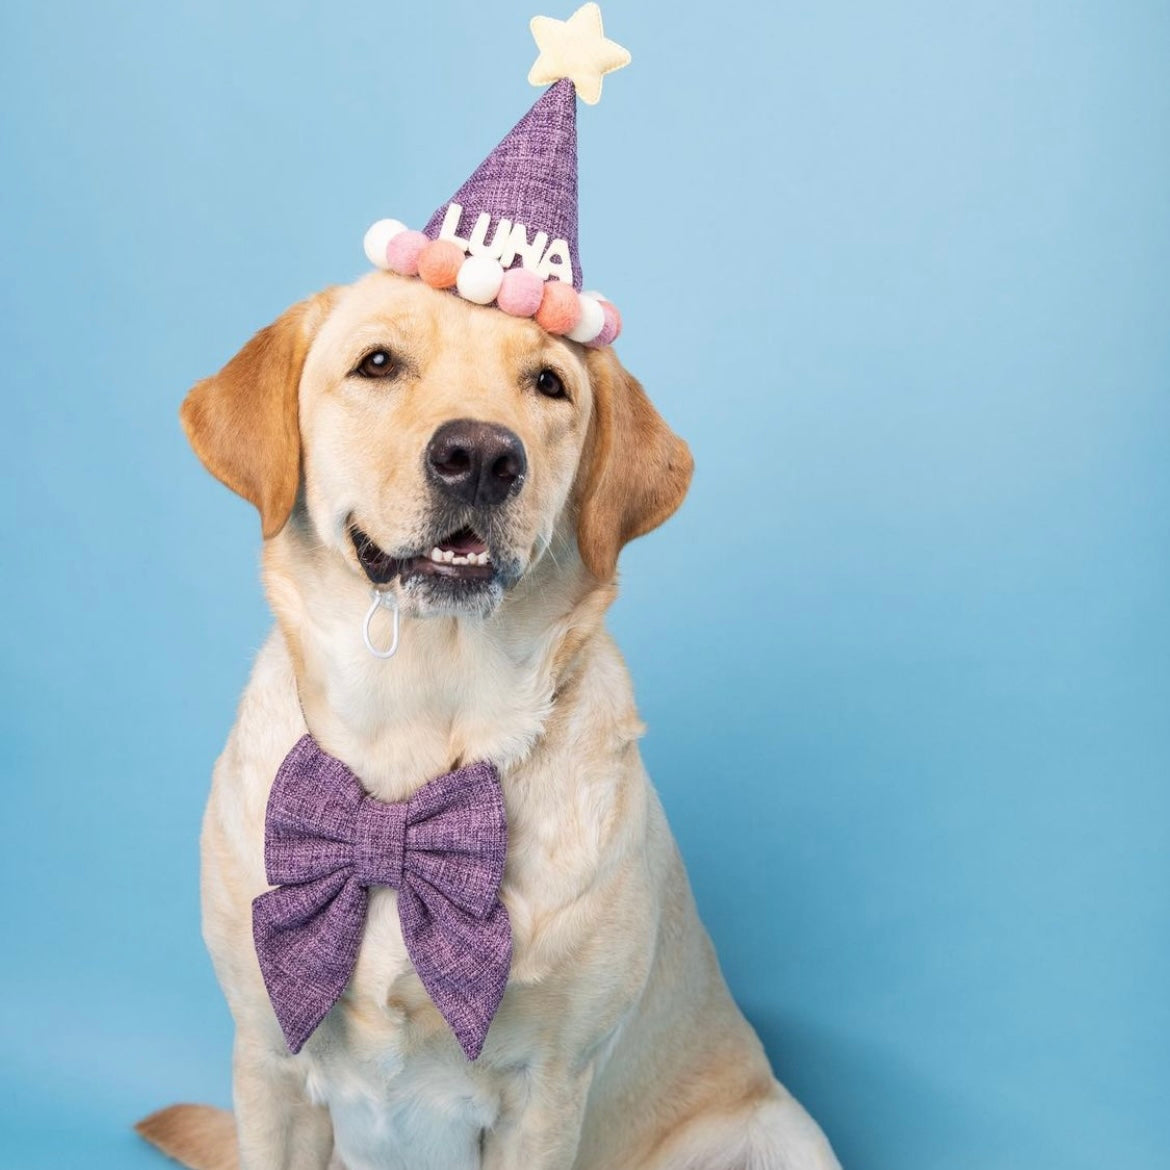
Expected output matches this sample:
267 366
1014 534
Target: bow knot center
379 841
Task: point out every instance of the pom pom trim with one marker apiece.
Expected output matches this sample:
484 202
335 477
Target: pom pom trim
587 318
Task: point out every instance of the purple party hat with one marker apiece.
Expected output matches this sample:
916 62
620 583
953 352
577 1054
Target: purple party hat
526 187
508 236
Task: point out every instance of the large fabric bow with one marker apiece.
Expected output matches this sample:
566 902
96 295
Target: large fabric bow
326 842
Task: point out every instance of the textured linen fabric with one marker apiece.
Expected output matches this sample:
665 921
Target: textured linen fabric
326 842
529 178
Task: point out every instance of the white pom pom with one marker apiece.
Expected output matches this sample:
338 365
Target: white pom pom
592 320
379 235
479 279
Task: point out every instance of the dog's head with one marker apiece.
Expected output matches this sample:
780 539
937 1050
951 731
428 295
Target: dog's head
437 445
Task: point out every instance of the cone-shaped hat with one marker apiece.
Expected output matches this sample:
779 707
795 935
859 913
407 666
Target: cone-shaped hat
528 182
508 236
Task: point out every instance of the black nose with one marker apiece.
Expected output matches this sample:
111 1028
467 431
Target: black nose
479 463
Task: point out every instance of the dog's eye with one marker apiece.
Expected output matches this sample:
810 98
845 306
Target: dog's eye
379 364
550 384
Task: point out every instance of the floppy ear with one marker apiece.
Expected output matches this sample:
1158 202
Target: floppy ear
242 422
637 472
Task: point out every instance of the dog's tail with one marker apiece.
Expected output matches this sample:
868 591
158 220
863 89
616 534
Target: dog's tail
198 1136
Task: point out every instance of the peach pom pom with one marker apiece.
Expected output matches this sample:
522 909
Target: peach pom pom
521 292
611 328
560 307
440 262
403 251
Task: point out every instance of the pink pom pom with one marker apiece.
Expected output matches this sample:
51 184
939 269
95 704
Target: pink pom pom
403 251
521 292
560 307
611 328
440 262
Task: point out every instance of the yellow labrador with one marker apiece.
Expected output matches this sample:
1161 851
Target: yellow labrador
489 473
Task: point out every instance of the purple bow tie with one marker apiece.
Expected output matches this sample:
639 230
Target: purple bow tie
326 842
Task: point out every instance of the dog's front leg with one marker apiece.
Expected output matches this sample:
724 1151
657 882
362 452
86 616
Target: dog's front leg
539 1128
279 1128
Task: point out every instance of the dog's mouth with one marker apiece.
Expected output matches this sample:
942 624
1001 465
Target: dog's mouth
461 556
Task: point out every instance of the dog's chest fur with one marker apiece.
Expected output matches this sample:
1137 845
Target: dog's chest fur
384 1061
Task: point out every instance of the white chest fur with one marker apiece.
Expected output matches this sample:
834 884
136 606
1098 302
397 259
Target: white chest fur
400 1095
398 1089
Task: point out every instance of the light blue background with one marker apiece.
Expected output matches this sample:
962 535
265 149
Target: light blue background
899 271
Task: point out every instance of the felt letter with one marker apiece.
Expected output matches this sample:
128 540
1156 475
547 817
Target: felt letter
477 245
450 228
557 262
517 244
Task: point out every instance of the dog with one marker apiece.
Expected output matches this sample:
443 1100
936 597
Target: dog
488 473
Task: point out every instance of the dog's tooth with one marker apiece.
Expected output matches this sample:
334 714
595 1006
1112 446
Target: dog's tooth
483 558
459 560
436 553
448 555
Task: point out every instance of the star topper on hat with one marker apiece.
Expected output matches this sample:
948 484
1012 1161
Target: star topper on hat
508 236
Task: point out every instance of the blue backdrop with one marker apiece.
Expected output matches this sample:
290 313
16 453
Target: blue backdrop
899 272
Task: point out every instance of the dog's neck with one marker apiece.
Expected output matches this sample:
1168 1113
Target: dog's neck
458 690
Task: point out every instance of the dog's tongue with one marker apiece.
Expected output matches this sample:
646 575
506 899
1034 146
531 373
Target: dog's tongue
463 543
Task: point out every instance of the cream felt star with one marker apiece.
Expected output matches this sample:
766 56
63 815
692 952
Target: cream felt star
576 48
